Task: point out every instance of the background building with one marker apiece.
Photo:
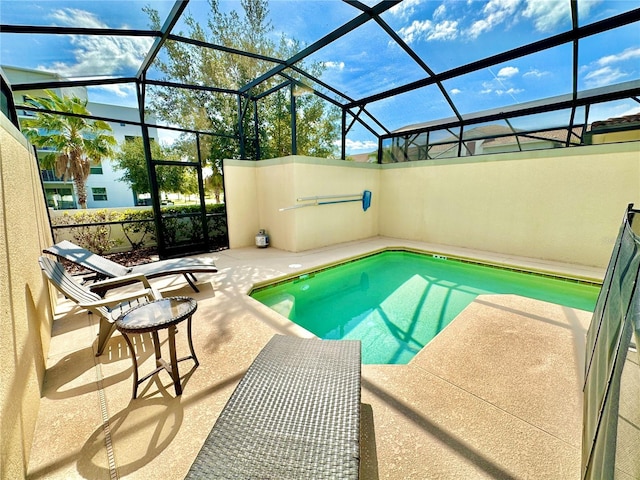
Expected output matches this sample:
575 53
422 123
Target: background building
103 187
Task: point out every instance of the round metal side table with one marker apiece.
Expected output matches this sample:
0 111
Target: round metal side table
152 317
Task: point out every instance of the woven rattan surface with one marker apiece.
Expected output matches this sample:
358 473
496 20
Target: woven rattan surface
294 415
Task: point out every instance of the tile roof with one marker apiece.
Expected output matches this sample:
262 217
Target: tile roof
627 120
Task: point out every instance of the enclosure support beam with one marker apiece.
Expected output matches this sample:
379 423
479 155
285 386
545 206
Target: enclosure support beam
294 125
151 169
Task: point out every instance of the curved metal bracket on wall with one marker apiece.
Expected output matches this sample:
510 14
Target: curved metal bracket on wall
364 197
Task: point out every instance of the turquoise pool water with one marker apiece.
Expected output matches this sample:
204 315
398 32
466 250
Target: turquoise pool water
395 302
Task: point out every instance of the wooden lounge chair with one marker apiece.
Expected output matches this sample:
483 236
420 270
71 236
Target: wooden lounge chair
106 268
107 309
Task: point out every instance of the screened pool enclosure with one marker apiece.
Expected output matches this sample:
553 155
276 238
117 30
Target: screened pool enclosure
363 81
186 84
590 48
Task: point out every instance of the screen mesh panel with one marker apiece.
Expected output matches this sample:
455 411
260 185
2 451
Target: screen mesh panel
611 427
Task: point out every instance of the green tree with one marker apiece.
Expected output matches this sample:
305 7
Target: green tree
130 160
75 143
217 112
215 183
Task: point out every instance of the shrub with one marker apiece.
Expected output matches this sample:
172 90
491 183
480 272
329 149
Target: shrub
96 237
138 223
181 224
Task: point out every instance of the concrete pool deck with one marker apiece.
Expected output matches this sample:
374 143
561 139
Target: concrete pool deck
498 394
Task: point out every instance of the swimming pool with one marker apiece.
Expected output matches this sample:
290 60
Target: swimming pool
395 302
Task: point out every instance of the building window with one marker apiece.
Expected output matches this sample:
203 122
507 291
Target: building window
7 106
130 138
60 198
50 176
99 194
27 113
96 169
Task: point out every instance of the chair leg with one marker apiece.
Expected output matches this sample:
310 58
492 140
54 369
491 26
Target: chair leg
191 278
106 329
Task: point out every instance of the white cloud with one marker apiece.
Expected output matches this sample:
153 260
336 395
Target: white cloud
535 73
123 91
359 145
455 91
439 12
604 76
94 55
446 30
585 7
628 54
438 28
426 29
405 9
478 27
549 14
510 91
507 72
499 85
604 71
73 17
334 65
415 30
546 15
495 12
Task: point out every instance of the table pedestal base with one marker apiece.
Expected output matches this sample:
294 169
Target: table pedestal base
161 364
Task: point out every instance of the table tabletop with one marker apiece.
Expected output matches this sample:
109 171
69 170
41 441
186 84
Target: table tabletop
157 314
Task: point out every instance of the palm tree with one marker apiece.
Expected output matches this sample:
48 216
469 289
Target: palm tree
75 142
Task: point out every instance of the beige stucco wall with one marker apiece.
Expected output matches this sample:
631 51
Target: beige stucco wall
562 205
256 191
611 137
25 320
240 190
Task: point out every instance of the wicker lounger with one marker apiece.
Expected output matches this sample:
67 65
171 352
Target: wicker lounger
295 415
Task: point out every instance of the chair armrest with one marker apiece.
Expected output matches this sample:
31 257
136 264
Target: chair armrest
101 287
149 293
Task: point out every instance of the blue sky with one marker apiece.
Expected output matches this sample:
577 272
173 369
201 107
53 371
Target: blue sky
445 33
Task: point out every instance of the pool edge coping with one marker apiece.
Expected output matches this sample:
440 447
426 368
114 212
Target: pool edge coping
549 273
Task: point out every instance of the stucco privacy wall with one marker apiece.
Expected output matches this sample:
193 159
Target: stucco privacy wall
278 183
241 198
560 205
25 320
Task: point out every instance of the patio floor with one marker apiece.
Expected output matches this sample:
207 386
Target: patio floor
498 394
